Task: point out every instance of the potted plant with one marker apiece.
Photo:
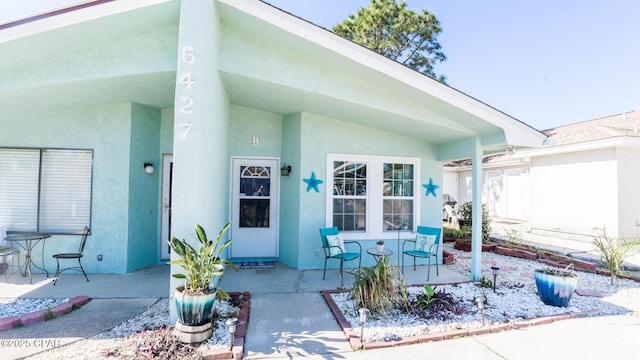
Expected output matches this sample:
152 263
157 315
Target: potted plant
194 300
380 246
555 286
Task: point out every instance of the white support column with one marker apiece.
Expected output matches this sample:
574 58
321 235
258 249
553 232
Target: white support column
476 217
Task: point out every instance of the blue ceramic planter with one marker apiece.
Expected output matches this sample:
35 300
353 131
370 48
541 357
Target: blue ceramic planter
556 289
193 310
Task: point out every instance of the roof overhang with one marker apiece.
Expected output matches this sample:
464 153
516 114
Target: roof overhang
351 83
400 99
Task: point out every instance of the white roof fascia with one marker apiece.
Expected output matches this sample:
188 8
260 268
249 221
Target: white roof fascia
522 157
620 141
498 164
72 17
516 131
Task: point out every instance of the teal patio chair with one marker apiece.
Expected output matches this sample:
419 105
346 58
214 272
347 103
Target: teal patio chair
425 245
334 248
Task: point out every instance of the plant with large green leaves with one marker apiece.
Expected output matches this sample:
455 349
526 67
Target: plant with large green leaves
204 264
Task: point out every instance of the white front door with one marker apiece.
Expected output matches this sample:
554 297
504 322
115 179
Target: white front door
167 172
254 207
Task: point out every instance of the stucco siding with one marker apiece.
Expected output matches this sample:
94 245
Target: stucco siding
320 136
122 56
105 130
573 193
290 194
628 192
166 131
254 132
143 239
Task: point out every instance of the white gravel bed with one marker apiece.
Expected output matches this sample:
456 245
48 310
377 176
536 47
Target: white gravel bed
155 317
18 307
515 299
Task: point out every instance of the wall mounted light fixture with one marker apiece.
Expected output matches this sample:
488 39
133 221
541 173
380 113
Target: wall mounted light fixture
148 168
285 170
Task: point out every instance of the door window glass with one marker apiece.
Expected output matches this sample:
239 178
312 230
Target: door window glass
255 189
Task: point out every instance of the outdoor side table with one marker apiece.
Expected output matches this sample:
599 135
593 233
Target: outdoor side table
378 255
27 242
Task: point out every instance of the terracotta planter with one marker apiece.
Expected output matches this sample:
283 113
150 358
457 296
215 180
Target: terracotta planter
556 287
193 310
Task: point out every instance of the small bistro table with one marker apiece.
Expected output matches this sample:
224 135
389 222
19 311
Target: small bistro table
27 242
378 255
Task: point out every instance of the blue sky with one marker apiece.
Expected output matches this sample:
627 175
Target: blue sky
545 62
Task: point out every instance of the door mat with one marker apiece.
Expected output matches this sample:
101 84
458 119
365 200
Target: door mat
255 264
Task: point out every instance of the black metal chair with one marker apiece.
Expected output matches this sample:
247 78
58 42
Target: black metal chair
337 252
423 248
72 256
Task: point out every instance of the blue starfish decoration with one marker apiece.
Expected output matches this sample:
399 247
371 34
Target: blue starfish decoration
431 188
312 182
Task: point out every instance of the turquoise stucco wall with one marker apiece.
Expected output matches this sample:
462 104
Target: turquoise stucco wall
320 136
105 129
289 191
305 140
245 123
166 132
142 245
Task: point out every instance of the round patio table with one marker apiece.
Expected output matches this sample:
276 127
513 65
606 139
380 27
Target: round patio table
378 255
27 242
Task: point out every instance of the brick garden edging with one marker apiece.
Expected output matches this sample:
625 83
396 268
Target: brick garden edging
43 315
237 350
353 335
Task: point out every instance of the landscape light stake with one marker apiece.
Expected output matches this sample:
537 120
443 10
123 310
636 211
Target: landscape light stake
480 303
494 270
232 324
364 312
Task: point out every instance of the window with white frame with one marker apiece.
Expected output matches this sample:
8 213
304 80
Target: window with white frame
45 190
371 196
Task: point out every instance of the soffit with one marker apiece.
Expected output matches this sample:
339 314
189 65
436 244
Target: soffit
437 113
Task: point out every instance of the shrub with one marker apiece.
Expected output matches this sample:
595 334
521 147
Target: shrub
485 283
466 211
613 252
437 304
379 288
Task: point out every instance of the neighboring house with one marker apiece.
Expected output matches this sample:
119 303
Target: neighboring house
586 180
219 96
